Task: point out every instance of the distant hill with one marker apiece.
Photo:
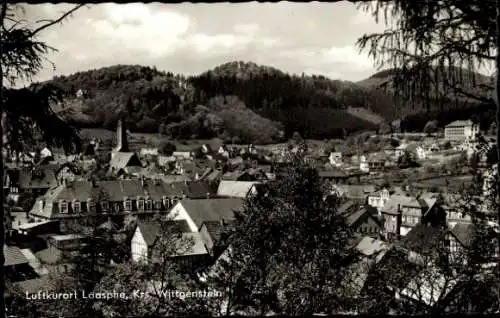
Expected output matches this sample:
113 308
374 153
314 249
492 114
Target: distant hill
234 101
448 108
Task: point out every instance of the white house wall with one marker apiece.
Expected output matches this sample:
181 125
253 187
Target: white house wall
179 213
139 247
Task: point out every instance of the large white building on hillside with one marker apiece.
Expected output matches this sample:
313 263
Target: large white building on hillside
461 129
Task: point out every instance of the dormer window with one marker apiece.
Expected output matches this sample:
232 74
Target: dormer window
158 205
127 204
76 206
90 205
40 205
104 206
140 204
149 205
63 206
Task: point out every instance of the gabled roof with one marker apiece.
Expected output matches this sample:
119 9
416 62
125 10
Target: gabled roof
194 246
403 201
217 229
234 176
120 160
423 239
118 190
352 218
150 230
13 256
460 123
213 176
39 177
347 206
464 233
211 209
235 189
369 246
355 191
198 189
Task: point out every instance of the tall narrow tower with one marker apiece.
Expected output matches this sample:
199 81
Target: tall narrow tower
121 137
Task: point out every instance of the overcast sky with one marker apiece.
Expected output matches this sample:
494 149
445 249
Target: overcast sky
314 38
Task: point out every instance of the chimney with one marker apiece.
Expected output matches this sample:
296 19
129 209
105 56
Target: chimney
121 137
143 181
399 220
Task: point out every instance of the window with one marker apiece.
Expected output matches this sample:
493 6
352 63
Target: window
104 206
158 205
128 205
149 205
76 207
63 206
90 205
140 205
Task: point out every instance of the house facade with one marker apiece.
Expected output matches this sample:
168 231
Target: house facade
363 221
335 158
402 213
188 249
145 198
461 129
379 199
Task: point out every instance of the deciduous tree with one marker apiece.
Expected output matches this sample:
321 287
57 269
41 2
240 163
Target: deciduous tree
289 250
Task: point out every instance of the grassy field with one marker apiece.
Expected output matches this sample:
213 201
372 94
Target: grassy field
452 182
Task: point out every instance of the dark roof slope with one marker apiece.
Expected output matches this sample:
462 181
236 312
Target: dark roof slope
150 230
423 239
212 209
358 214
13 256
464 232
217 229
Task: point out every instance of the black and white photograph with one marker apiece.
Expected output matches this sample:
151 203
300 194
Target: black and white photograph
250 159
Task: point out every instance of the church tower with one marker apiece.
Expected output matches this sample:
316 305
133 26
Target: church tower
121 137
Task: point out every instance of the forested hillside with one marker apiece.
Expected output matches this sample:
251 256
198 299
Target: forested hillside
239 101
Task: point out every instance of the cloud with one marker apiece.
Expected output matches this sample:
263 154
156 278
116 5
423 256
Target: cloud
138 27
189 39
348 55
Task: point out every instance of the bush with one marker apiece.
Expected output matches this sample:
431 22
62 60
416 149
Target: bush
430 127
167 148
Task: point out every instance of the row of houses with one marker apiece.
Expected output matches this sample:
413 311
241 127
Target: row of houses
398 211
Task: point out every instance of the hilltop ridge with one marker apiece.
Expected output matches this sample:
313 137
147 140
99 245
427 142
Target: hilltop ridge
240 100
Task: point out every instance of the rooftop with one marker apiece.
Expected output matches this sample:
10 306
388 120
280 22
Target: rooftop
13 256
204 210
